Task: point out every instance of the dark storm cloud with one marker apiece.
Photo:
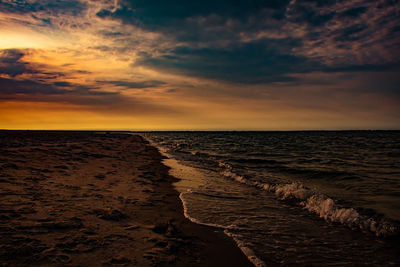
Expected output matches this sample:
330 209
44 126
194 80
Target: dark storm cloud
350 33
265 64
159 12
365 67
198 21
211 44
310 12
355 12
135 85
175 17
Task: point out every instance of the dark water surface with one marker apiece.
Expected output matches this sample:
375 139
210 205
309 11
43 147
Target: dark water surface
287 198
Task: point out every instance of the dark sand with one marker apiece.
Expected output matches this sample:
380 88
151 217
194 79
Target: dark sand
90 199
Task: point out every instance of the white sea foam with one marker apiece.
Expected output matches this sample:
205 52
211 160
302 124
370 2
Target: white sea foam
324 206
246 250
192 219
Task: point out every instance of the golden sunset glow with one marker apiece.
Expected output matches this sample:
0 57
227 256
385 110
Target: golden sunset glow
88 65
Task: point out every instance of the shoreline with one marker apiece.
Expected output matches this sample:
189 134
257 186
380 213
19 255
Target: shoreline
95 199
189 178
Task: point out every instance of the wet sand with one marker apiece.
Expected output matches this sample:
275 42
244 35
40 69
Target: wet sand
97 199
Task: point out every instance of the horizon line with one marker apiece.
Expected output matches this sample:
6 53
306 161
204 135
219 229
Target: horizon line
188 130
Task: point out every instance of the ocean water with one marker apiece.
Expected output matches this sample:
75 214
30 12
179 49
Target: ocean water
293 198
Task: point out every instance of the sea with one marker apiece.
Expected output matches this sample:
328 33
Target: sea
309 198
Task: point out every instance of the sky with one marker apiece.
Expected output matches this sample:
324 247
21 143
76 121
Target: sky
200 65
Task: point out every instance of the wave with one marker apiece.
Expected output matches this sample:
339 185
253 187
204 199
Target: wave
192 219
246 250
215 194
256 161
319 204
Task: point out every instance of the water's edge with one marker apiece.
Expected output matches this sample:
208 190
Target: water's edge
175 168
250 202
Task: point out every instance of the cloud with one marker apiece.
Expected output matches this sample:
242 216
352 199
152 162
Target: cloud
71 7
355 11
84 96
352 33
62 84
315 14
158 12
390 67
18 76
11 63
15 87
195 21
263 41
10 86
306 52
24 80
135 85
248 63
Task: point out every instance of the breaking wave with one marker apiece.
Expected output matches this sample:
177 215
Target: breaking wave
245 249
320 204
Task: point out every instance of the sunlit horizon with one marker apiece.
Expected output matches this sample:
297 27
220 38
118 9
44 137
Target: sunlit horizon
212 66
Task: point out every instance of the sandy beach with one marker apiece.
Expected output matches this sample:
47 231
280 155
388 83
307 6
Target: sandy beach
97 199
